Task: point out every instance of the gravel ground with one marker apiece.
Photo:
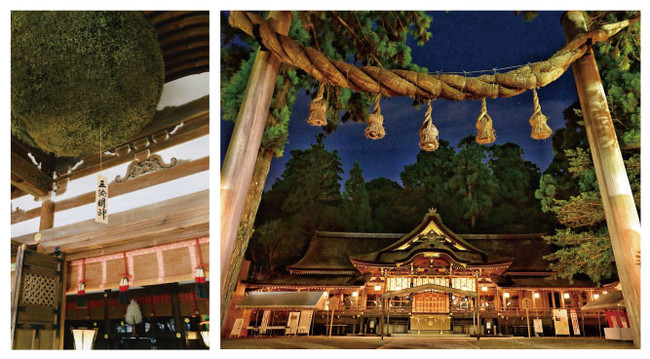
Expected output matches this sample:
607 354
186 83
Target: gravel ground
322 342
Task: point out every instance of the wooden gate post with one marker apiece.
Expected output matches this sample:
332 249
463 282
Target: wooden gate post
620 210
237 169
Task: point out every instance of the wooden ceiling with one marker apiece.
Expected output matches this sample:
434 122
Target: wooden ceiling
184 40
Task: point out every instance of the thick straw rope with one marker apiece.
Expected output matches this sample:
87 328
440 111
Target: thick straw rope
414 84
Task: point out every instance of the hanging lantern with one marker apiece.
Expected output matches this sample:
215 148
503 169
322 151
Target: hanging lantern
484 126
123 296
428 132
375 129
540 130
317 109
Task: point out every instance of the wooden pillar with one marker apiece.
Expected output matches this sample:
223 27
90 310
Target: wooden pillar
552 299
63 305
47 215
107 321
620 211
237 169
179 324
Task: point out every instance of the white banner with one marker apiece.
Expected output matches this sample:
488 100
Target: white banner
305 321
265 321
292 323
101 200
237 327
574 322
561 322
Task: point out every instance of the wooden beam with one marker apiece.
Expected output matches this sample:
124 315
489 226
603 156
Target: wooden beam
237 169
158 219
145 241
117 189
32 180
620 211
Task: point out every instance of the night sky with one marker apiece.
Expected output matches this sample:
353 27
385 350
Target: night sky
461 41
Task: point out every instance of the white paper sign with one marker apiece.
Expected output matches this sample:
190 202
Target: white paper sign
292 323
561 322
101 200
574 322
537 323
305 321
236 328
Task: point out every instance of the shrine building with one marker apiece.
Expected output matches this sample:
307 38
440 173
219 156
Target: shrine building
428 281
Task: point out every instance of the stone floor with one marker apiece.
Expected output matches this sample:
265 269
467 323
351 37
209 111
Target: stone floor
323 342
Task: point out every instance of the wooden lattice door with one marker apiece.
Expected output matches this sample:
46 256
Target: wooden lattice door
36 301
431 302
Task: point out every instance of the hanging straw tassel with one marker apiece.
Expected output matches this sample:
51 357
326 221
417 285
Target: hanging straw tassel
81 290
375 129
81 295
428 132
123 296
484 126
317 109
540 130
201 287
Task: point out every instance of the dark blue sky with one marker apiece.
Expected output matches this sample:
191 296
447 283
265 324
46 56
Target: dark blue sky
461 41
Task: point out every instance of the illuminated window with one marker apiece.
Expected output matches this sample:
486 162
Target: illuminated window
398 282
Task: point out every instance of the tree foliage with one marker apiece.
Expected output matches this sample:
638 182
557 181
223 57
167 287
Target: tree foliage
357 202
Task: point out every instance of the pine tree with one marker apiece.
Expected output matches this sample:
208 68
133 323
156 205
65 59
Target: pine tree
357 201
473 183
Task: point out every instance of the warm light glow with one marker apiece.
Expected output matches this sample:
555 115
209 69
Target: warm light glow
605 292
566 296
205 335
325 294
484 288
506 295
84 338
464 288
398 288
536 295
377 287
596 296
355 294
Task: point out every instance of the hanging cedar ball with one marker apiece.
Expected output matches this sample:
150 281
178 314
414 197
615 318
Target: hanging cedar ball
540 130
486 134
428 132
375 129
317 109
73 72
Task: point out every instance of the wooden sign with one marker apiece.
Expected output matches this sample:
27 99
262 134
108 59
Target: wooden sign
101 200
561 322
265 321
574 322
305 321
292 323
237 327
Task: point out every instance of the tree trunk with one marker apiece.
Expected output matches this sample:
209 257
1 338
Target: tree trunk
620 211
260 172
